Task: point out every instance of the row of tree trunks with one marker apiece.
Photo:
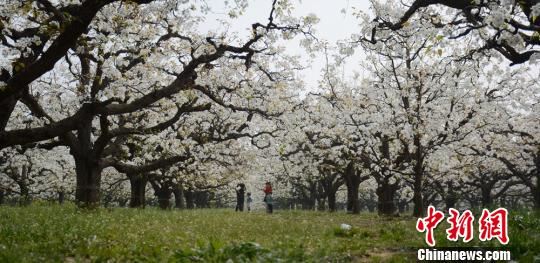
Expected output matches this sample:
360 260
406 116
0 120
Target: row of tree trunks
25 197
89 176
183 198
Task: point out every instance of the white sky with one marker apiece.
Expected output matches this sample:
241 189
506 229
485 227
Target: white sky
337 22
334 25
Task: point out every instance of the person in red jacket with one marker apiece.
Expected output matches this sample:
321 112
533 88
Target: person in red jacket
268 197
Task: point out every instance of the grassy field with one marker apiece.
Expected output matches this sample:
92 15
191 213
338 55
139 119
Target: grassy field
50 233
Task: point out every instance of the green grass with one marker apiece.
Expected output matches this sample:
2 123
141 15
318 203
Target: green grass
50 233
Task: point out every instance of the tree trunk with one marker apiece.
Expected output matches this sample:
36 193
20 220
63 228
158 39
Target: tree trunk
320 196
450 199
371 206
2 195
352 200
321 204
178 191
487 201
164 198
430 199
473 202
61 197
352 181
385 194
87 194
418 198
122 202
402 206
308 196
22 182
537 199
25 195
190 202
331 201
201 199
7 104
536 190
311 201
450 202
138 190
503 201
330 185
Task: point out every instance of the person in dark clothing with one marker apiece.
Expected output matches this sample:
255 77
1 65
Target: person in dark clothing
240 190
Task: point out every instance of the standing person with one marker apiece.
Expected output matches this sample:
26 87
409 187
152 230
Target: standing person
240 189
268 197
249 201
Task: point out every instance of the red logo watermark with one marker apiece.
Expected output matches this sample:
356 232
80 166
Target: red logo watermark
429 223
460 225
491 225
494 225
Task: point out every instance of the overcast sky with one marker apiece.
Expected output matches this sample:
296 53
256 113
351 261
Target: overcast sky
337 22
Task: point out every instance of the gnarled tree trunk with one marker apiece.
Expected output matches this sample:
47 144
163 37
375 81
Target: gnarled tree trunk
138 190
88 184
87 167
